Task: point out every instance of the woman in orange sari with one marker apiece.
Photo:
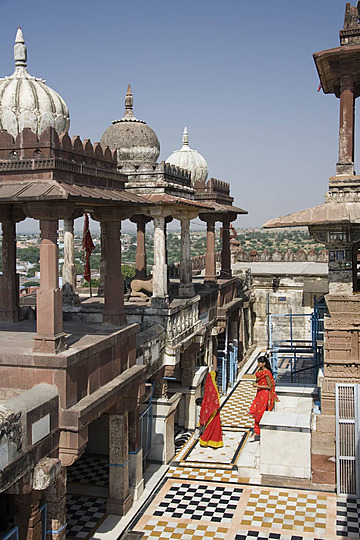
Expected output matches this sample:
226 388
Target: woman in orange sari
265 395
210 415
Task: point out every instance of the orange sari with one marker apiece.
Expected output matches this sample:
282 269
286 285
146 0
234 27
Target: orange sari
210 415
264 399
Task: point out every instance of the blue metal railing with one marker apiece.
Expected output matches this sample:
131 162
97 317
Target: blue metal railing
304 356
146 421
13 534
43 511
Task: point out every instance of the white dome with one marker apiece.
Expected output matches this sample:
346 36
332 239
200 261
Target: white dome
26 102
189 159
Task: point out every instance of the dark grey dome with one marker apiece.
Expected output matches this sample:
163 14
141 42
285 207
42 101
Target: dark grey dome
133 139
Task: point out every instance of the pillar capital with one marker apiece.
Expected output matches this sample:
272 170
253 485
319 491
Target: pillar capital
111 214
51 210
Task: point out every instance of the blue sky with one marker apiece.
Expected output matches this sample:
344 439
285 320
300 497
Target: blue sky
238 73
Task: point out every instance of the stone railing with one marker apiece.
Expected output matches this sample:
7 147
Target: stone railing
183 320
227 291
197 264
239 255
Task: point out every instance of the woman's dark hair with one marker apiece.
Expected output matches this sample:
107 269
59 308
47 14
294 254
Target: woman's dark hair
198 401
267 363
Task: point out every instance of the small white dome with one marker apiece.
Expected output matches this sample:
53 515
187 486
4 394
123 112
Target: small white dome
26 102
189 159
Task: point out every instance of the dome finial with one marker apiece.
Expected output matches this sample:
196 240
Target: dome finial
129 113
185 137
20 55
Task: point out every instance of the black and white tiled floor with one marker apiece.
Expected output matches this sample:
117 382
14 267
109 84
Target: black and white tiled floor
348 518
83 515
200 502
90 469
255 535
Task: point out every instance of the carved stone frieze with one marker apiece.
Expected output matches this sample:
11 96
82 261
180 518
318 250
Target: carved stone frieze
10 427
342 370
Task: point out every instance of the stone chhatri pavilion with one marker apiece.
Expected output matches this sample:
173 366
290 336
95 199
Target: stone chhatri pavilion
74 380
336 224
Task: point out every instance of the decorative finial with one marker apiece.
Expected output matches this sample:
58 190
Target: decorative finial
185 137
20 55
129 113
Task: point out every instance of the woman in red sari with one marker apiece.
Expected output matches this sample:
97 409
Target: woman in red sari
210 415
265 395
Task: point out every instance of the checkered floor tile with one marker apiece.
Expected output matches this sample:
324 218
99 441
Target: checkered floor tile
305 512
200 502
348 518
255 535
91 470
203 474
234 412
83 515
182 531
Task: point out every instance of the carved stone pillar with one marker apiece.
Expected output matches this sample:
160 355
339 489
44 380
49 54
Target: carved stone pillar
50 337
160 295
136 480
28 516
69 266
345 164
225 252
103 246
210 261
186 288
140 259
9 283
114 280
56 507
120 499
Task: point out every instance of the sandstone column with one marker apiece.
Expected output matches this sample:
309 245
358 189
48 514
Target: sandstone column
50 337
56 507
120 499
186 288
103 244
69 266
225 252
346 127
160 295
136 480
114 280
9 283
210 261
140 259
28 515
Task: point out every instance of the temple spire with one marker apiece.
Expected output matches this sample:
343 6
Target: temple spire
20 55
129 113
185 137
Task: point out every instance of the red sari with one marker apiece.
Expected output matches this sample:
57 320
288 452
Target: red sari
210 415
264 399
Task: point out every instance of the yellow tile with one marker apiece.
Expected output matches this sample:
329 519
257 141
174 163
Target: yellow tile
277 520
245 522
176 535
286 526
222 530
309 529
201 527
